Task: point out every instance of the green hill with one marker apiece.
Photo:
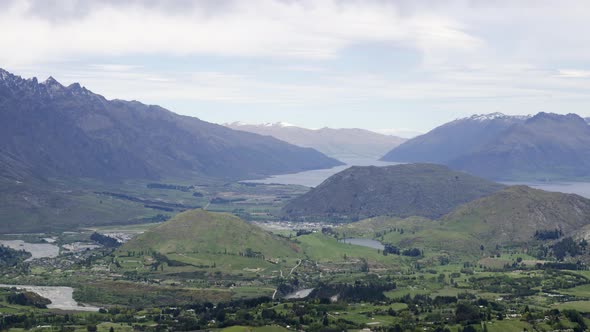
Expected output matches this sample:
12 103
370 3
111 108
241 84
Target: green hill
425 190
509 217
200 231
514 214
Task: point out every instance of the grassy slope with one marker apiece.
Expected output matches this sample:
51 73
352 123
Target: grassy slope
514 214
206 232
429 235
508 217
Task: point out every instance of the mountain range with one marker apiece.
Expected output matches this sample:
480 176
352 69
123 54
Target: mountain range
426 190
545 146
49 130
343 144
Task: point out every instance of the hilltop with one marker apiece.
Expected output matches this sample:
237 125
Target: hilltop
200 231
426 190
515 213
342 144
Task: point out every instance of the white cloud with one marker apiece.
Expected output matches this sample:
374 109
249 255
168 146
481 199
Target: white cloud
574 73
292 29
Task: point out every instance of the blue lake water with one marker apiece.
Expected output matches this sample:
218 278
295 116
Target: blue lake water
580 188
315 177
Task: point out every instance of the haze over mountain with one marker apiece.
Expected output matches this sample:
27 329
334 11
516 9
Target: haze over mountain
50 130
426 190
540 147
342 144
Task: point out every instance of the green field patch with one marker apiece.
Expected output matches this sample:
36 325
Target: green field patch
582 306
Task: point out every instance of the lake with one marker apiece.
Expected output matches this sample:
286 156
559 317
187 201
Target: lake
315 177
580 188
364 242
60 297
37 250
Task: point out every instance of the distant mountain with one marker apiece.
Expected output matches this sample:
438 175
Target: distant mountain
514 214
542 147
454 139
546 146
50 130
200 231
343 144
402 190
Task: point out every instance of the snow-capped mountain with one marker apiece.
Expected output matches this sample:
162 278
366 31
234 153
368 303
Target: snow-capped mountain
501 147
495 116
453 139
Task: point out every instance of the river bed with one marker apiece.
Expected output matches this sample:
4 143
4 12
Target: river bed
300 294
60 297
37 250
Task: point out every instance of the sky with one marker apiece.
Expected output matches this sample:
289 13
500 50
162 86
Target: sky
398 67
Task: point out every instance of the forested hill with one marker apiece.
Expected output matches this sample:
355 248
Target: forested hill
426 190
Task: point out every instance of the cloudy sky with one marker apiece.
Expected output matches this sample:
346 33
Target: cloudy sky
382 65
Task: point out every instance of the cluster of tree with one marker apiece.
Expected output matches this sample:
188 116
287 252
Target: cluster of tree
357 292
105 240
28 299
221 200
157 207
389 248
10 257
300 232
413 252
546 234
146 201
328 231
156 218
562 266
507 285
248 252
160 260
170 187
568 246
